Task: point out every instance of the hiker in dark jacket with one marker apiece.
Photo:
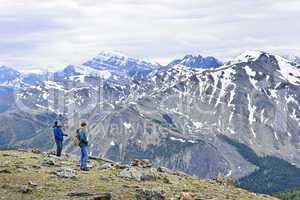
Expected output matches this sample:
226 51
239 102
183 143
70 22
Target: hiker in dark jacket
59 137
83 138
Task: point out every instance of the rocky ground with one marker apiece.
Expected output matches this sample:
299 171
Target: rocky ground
36 175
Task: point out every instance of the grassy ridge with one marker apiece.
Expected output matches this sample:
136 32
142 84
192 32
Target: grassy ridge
19 168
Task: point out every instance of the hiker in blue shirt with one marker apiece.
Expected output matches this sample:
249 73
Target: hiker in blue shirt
59 137
83 138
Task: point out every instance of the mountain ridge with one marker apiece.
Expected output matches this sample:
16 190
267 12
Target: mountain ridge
172 115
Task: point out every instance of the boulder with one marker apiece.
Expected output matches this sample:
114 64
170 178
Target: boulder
36 151
103 196
145 163
93 196
146 194
80 194
66 173
36 166
166 180
169 171
139 174
47 162
32 184
106 166
120 166
223 180
186 196
19 166
25 189
132 173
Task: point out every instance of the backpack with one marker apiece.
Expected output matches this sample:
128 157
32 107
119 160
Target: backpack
77 138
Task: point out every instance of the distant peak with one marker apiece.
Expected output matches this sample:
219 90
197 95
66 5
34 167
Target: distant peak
112 53
249 54
292 58
197 61
5 67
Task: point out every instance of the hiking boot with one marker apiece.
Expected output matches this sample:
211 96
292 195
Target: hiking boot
84 169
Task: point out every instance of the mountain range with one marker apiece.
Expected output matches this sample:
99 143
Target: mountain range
197 114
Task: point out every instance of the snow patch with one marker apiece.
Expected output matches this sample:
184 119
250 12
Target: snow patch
104 74
229 173
247 56
127 125
177 139
112 143
251 73
289 72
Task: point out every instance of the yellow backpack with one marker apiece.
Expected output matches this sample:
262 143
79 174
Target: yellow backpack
76 139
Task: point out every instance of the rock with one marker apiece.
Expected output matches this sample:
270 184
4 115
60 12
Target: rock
131 173
106 166
169 171
101 159
37 151
186 196
80 194
32 184
119 166
47 162
145 194
66 173
104 196
94 196
139 174
223 180
166 180
189 196
165 170
90 166
51 153
36 166
145 163
18 166
5 171
25 189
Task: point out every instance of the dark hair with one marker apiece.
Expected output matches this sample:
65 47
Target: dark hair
83 124
55 123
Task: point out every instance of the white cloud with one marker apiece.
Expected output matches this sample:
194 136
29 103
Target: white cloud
56 33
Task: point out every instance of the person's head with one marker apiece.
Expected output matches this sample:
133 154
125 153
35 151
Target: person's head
57 124
83 124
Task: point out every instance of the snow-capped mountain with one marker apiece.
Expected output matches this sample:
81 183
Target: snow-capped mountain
197 62
122 63
172 115
8 74
293 58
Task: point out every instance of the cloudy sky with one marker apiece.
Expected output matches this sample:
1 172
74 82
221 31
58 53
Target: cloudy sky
41 34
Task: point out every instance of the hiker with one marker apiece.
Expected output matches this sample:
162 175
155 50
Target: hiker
59 137
83 143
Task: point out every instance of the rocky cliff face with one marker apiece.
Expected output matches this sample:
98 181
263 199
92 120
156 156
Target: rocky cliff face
170 115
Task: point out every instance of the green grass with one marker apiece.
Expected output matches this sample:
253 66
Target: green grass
51 186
